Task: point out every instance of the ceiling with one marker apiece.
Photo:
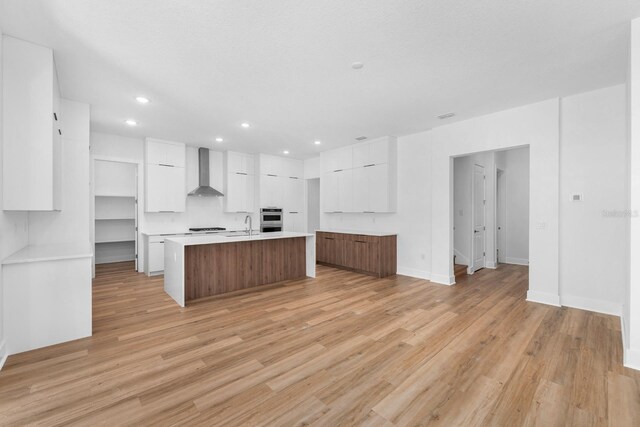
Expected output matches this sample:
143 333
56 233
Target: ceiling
284 66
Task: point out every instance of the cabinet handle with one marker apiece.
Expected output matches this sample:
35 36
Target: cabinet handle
59 132
165 165
293 177
242 212
360 241
55 116
337 211
368 166
293 212
368 212
329 238
240 173
338 170
166 211
270 174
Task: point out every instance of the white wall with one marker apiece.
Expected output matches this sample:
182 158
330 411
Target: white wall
72 223
313 204
412 221
593 156
535 125
14 232
632 307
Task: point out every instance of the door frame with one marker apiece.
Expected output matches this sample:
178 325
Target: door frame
139 206
471 268
501 174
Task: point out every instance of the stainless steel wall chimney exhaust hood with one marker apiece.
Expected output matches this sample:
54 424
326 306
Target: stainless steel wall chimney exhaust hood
203 188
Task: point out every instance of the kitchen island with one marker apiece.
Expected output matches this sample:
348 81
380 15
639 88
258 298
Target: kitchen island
202 266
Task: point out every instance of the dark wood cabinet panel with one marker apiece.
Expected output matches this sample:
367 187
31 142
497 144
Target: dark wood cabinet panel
374 255
227 267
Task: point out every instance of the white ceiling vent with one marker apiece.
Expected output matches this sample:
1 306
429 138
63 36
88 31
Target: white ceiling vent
361 138
446 116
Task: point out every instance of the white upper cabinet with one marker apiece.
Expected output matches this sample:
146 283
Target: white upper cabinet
281 183
372 153
165 176
240 182
165 153
239 163
32 128
361 178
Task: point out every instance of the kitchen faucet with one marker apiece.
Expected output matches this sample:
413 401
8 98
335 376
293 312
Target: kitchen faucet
248 218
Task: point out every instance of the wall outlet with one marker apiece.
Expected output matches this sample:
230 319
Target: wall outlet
577 197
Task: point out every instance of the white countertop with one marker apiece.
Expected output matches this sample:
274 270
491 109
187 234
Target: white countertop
217 238
189 233
361 232
50 253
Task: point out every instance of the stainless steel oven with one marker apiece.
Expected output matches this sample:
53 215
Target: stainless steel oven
271 220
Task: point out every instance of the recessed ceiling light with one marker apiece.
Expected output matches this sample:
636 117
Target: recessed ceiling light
357 65
446 115
142 99
317 142
245 125
131 122
285 152
218 139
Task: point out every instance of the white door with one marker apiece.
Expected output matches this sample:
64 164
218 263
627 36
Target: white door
501 216
478 239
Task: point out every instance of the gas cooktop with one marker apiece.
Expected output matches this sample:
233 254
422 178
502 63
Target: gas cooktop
208 229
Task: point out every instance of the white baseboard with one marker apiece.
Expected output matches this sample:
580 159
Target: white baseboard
443 279
3 353
413 272
516 261
543 298
460 259
604 307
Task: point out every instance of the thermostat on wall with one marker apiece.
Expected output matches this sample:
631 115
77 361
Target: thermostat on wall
576 197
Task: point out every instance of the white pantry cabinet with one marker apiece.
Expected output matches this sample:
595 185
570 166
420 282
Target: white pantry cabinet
368 185
240 182
294 221
165 176
32 128
271 191
294 195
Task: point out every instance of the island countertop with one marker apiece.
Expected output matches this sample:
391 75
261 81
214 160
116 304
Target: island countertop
358 232
240 237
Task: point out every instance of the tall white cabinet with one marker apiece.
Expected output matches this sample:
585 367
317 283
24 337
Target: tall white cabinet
282 186
239 182
361 178
32 128
165 176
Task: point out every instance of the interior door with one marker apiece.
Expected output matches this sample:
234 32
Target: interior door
501 216
478 239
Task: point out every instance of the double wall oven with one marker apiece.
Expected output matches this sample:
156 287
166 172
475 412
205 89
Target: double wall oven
271 220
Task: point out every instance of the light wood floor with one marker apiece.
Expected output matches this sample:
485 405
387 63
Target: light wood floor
344 349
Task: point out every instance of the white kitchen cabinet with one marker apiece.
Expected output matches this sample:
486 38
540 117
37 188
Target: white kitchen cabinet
272 191
294 221
339 159
165 176
272 165
372 153
337 191
371 189
32 128
369 185
239 163
294 195
239 192
165 188
167 153
293 168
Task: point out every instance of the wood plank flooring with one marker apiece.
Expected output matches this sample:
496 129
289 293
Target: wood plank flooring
343 349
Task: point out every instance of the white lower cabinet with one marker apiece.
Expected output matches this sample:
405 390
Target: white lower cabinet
155 257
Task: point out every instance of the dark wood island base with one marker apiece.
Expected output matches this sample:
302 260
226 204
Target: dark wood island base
227 267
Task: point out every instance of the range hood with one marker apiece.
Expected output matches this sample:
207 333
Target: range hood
203 188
